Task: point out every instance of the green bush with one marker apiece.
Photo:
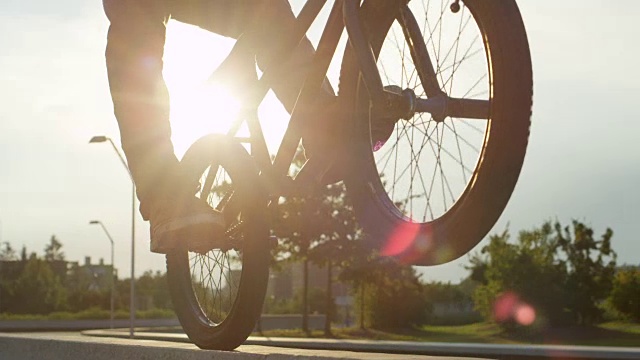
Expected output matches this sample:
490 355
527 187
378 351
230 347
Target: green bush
91 314
156 314
454 319
8 316
625 295
60 315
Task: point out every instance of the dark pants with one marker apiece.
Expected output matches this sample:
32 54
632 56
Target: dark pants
134 63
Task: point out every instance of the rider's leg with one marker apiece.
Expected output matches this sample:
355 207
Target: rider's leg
141 104
135 44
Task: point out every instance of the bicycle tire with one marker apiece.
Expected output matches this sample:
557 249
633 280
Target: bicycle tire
216 315
444 237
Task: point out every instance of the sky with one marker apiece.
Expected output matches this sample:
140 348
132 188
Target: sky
583 160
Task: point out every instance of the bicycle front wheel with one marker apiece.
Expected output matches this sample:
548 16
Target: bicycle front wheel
429 188
218 296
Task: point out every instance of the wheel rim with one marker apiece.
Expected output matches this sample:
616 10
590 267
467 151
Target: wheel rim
426 166
216 275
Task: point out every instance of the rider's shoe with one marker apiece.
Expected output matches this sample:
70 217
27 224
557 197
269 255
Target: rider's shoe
185 221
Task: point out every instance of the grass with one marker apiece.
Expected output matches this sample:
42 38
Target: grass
92 314
607 334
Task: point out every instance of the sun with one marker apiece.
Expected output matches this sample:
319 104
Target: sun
199 110
199 107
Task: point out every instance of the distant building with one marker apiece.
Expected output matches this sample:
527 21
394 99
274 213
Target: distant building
96 276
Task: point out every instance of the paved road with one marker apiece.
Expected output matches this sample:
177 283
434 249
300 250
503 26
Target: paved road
115 344
494 351
69 346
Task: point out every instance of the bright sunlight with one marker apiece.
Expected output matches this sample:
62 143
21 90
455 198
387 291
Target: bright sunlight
199 107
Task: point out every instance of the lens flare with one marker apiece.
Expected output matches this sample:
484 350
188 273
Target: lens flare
525 315
409 243
509 307
401 239
504 306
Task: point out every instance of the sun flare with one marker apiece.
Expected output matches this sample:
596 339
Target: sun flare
199 107
199 110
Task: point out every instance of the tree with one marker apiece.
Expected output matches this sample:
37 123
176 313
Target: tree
154 289
52 252
361 275
335 246
625 295
37 290
550 273
23 254
6 252
389 294
457 296
301 223
295 241
316 229
519 269
398 297
321 228
591 268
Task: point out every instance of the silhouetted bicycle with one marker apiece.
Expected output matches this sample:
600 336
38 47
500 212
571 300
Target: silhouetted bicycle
448 83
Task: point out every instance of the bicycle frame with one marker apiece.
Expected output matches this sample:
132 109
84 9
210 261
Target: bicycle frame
344 14
274 171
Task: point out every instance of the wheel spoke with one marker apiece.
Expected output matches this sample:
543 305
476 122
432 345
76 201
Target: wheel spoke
212 273
427 164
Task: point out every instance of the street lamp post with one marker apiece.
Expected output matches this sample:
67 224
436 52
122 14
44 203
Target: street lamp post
98 222
132 307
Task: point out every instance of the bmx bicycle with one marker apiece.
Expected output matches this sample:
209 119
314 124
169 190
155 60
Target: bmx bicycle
451 83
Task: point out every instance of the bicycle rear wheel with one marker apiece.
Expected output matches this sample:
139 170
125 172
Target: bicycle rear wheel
435 188
218 296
